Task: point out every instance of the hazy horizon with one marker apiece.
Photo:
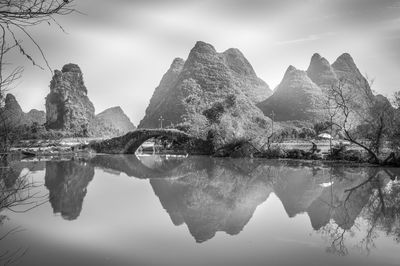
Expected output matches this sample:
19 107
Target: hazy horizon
124 47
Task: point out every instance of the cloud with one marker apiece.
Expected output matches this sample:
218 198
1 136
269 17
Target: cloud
309 38
306 39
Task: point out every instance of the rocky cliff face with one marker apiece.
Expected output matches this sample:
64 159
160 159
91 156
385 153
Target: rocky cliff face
115 119
303 95
67 105
13 114
209 88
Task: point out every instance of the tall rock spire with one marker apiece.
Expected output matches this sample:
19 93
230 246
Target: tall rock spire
67 105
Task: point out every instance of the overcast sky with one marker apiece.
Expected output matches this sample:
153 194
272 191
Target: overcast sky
125 46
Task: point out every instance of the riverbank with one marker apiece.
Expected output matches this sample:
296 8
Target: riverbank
50 147
313 150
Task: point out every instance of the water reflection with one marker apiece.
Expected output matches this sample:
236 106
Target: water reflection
16 196
375 200
67 183
147 167
209 195
216 197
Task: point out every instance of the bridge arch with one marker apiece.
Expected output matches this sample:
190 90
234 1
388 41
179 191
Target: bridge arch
130 142
138 137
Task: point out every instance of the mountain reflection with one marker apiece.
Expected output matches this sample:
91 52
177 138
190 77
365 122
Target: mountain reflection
213 194
219 197
220 194
67 182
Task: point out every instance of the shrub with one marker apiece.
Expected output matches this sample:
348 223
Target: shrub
274 152
337 151
214 113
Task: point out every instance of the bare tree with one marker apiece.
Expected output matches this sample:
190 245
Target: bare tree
364 127
331 111
17 17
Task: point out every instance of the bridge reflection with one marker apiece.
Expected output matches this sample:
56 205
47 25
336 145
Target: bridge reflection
131 165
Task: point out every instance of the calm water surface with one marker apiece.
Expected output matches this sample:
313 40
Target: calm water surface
160 210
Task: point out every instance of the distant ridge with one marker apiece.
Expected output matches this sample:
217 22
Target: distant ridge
301 95
15 116
116 119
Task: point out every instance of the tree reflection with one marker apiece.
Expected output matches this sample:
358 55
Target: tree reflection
374 200
17 194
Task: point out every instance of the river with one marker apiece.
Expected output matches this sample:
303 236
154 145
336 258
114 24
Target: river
166 210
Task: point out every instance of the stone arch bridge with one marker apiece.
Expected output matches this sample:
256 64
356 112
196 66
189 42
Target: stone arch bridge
131 141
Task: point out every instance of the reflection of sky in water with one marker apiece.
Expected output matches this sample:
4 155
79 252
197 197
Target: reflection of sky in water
125 220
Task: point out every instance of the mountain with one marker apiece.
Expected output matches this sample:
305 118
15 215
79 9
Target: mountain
358 87
158 106
206 72
37 116
297 97
320 71
209 88
69 109
252 86
13 114
116 119
302 95
67 105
